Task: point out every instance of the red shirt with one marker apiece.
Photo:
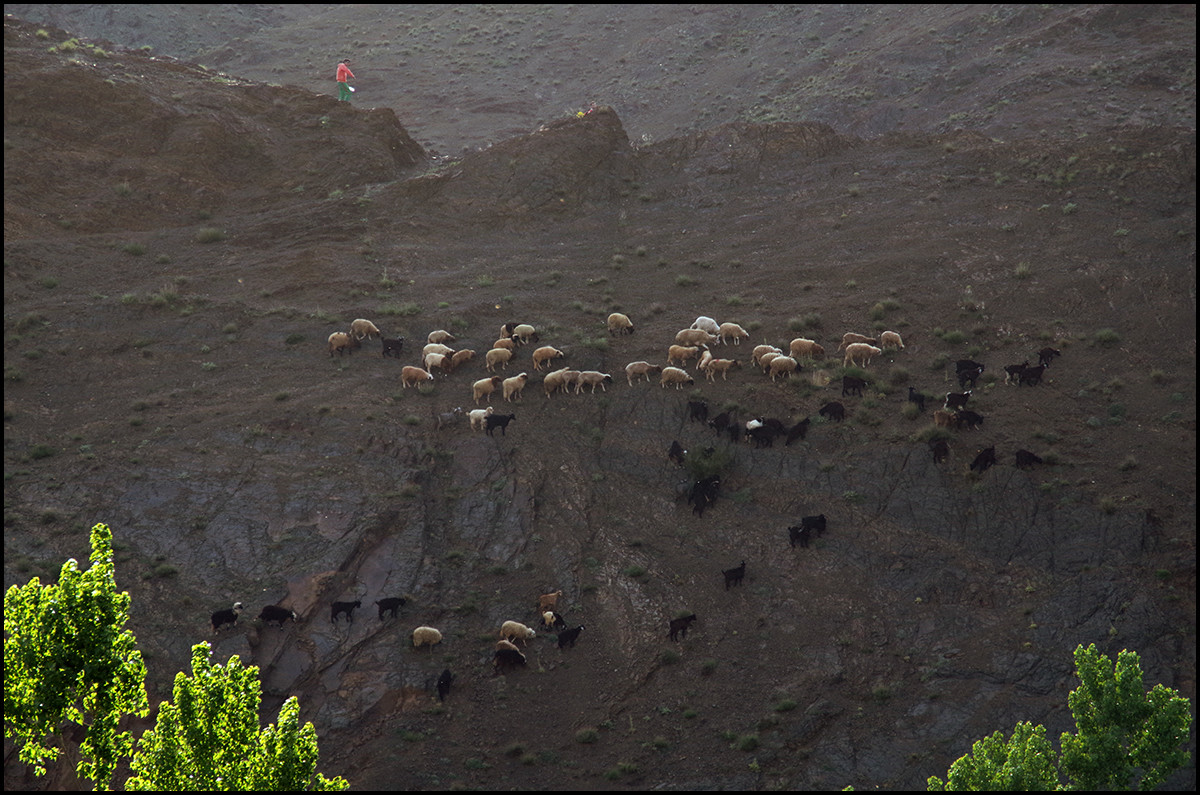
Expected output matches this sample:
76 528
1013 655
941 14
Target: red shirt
343 73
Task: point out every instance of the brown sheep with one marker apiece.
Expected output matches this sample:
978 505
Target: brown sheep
619 324
497 356
364 329
484 387
890 339
681 353
342 342
732 332
412 376
695 336
801 348
640 369
849 338
544 354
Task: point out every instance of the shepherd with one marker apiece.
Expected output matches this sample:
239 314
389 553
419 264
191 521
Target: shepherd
343 72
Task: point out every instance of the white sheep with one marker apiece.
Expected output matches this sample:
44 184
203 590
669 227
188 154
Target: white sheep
478 416
759 351
524 333
619 324
437 361
783 365
440 335
732 332
860 352
681 353
801 348
695 336
437 347
592 378
676 376
546 353
849 338
555 381
515 630
364 329
342 342
640 369
426 636
513 387
413 376
484 387
707 324
497 356
890 339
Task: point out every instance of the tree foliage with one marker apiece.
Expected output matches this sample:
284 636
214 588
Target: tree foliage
67 659
1126 738
208 738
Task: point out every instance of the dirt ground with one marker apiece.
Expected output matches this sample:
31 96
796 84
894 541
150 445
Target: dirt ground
189 214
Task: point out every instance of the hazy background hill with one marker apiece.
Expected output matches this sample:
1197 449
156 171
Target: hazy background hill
189 214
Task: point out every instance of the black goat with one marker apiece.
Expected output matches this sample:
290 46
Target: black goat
704 493
985 459
815 523
957 400
1012 372
916 397
1026 458
967 378
227 616
966 364
347 608
568 636
798 431
852 385
762 436
676 453
1031 375
833 411
799 533
734 576
274 614
443 684
967 419
1045 355
556 621
679 626
390 605
940 450
698 410
720 422
501 421
392 347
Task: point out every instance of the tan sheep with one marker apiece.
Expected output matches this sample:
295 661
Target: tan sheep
426 636
364 329
890 339
765 360
761 350
681 353
801 348
676 376
505 342
513 387
484 387
342 342
437 361
783 365
544 354
523 333
440 335
413 376
849 338
515 630
695 336
497 356
437 347
860 352
592 378
555 381
460 358
619 324
641 369
732 332
722 366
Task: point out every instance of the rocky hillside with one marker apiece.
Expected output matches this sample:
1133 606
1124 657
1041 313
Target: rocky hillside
180 242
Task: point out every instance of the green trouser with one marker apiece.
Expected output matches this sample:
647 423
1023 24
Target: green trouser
343 91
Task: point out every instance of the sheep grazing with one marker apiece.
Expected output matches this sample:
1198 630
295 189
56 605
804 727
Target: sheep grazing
1027 459
967 419
484 387
852 385
783 366
392 347
833 411
1031 375
344 608
676 376
798 431
513 387
722 366
497 356
731 332
568 636
765 360
501 421
1012 372
477 417
506 331
760 351
436 361
641 370
426 636
1046 355
676 453
860 353
850 338
524 333
436 347
681 354
619 324
679 627
460 358
916 397
548 601
985 459
703 493
544 354
735 575
273 614
697 410
228 616
802 348
552 620
448 417
707 324
890 339
342 342
694 337
390 605
505 343
515 630
592 378
413 376
559 379
956 400
443 684
440 335
364 329
940 450
507 657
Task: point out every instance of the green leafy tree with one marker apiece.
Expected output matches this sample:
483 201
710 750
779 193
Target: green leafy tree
209 739
67 659
1127 738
